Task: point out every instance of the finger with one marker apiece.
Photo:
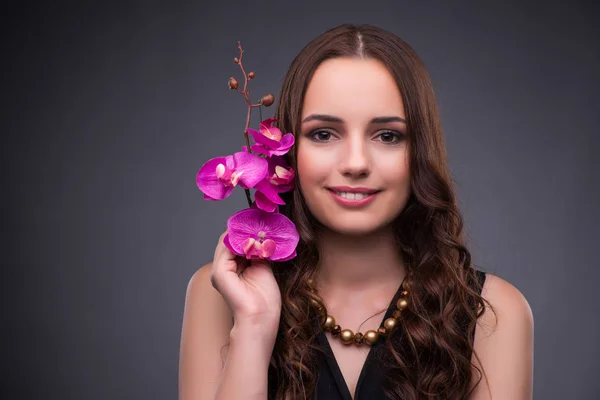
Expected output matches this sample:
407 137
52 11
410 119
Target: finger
220 246
218 264
225 260
242 264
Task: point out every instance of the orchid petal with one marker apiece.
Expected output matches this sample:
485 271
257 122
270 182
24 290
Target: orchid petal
283 173
230 162
208 182
268 122
255 206
241 226
249 222
282 177
259 148
248 245
227 244
278 152
270 192
271 132
255 168
235 177
220 171
287 141
259 138
264 203
268 248
286 144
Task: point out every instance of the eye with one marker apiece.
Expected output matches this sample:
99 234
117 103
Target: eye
321 136
390 137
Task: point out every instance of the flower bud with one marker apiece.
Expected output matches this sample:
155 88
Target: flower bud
236 60
251 75
267 100
233 83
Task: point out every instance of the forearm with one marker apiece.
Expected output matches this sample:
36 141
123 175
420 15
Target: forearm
245 374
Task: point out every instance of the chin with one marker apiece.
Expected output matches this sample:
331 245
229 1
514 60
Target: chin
353 231
376 217
355 225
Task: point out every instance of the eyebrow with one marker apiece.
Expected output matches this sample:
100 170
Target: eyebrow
331 118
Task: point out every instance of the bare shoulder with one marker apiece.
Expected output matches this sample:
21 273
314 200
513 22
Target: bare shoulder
201 293
200 281
511 306
204 303
207 322
504 343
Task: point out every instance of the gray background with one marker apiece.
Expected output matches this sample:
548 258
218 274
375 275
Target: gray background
110 110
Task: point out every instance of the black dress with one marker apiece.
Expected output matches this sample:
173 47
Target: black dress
331 384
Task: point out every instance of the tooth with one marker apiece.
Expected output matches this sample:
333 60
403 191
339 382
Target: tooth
352 196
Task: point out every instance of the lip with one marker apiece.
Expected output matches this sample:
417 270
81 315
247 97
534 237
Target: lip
353 189
353 203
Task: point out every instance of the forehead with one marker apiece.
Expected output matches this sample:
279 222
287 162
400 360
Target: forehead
353 89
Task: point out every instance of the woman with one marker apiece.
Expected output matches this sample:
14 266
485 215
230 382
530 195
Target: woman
382 300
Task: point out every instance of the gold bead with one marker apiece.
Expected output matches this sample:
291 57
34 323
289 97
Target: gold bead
382 331
390 323
404 293
359 338
396 314
405 284
402 304
347 336
329 323
371 337
336 330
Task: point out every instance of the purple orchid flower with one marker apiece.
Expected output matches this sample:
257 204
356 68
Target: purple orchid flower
279 179
218 177
254 233
269 140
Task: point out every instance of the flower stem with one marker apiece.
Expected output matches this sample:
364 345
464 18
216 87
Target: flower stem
246 92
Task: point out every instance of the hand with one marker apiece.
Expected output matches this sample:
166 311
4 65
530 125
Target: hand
248 287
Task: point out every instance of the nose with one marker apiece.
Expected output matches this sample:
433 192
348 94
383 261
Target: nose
355 163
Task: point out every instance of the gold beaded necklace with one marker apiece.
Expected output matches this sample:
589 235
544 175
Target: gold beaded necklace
370 337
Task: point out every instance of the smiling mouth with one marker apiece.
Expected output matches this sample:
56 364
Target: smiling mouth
349 197
352 195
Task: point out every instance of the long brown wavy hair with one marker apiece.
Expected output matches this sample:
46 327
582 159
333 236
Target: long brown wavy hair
429 353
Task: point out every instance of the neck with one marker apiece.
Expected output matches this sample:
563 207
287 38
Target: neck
359 262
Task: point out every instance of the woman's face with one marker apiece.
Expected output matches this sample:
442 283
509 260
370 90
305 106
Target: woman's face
352 149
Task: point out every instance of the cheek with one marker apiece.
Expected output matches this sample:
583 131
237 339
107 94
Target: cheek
303 168
395 176
394 170
313 166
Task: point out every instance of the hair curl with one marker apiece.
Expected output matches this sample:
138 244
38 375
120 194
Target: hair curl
429 354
